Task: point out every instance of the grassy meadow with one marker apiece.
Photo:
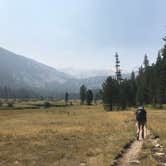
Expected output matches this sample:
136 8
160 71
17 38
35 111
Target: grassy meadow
74 135
58 136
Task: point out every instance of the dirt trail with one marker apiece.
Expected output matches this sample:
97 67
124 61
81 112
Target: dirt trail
130 158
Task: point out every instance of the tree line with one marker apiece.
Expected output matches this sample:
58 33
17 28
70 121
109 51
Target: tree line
147 86
7 92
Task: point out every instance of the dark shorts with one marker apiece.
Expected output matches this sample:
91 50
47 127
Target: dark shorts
141 123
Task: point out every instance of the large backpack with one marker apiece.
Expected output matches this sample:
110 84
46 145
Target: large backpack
141 115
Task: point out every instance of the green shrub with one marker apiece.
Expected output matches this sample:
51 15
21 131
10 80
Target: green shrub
47 104
10 104
1 103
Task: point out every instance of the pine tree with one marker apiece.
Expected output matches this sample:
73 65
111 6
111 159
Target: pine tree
97 95
124 94
151 86
140 87
146 61
158 89
83 90
163 72
146 80
89 97
66 97
118 71
159 59
132 90
110 93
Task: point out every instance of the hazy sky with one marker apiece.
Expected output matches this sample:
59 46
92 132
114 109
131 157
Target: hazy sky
83 33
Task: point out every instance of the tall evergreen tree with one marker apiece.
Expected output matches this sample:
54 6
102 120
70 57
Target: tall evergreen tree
163 72
146 61
124 94
140 87
89 97
66 97
118 71
132 90
146 80
155 81
110 93
83 90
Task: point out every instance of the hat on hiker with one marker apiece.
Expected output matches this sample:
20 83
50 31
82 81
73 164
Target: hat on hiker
141 108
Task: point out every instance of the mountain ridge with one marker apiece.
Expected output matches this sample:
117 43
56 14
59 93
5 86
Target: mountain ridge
17 71
28 71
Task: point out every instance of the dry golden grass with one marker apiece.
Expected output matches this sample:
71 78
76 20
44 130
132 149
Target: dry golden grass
157 123
63 136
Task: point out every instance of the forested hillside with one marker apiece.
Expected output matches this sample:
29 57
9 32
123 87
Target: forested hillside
146 87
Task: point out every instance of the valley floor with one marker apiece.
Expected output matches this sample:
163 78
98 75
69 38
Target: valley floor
67 136
72 136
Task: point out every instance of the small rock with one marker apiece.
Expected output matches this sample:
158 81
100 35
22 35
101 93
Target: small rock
159 154
82 164
157 146
135 162
34 162
162 164
16 162
161 149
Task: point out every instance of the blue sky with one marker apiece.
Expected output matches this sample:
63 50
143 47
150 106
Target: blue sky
83 33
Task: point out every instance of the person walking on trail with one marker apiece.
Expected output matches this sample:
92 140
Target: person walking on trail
141 119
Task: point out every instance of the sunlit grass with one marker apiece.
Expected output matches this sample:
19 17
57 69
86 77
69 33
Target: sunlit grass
157 123
64 136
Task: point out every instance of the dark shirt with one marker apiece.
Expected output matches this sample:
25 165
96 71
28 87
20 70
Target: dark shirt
141 115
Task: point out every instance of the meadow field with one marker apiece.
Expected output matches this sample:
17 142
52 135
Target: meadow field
74 135
58 136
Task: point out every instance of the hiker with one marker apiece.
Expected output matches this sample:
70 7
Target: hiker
141 121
